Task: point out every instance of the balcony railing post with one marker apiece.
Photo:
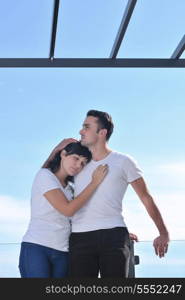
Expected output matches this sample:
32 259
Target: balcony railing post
134 260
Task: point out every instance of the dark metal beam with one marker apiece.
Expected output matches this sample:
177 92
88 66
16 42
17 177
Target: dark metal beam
54 28
91 63
180 49
123 27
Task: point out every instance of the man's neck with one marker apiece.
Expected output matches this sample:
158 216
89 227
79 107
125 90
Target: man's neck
99 152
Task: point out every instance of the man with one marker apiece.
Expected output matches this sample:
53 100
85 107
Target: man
100 241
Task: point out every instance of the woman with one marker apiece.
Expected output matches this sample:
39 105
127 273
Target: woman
44 248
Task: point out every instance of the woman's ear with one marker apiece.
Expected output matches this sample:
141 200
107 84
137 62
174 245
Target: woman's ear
63 153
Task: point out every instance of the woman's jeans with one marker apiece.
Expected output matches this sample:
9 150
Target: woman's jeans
39 261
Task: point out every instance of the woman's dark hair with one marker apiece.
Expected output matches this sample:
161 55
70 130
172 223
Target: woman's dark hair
72 148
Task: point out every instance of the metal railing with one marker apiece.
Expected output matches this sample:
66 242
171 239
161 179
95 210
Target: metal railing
143 261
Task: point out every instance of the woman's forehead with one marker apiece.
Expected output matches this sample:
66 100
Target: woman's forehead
80 156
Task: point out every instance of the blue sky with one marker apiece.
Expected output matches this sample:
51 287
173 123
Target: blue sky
40 107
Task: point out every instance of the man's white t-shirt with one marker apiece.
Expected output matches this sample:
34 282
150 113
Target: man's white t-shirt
104 209
48 227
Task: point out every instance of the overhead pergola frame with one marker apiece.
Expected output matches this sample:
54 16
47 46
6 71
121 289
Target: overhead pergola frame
112 62
123 27
179 50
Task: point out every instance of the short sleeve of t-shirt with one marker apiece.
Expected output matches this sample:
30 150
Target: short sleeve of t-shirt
132 170
45 181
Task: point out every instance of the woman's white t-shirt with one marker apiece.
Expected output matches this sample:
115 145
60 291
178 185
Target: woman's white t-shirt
47 227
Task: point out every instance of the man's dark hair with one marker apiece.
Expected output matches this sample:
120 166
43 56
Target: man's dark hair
72 148
104 121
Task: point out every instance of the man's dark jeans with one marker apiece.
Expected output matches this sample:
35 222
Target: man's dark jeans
105 252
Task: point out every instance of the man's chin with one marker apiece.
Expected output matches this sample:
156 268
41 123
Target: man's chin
83 143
